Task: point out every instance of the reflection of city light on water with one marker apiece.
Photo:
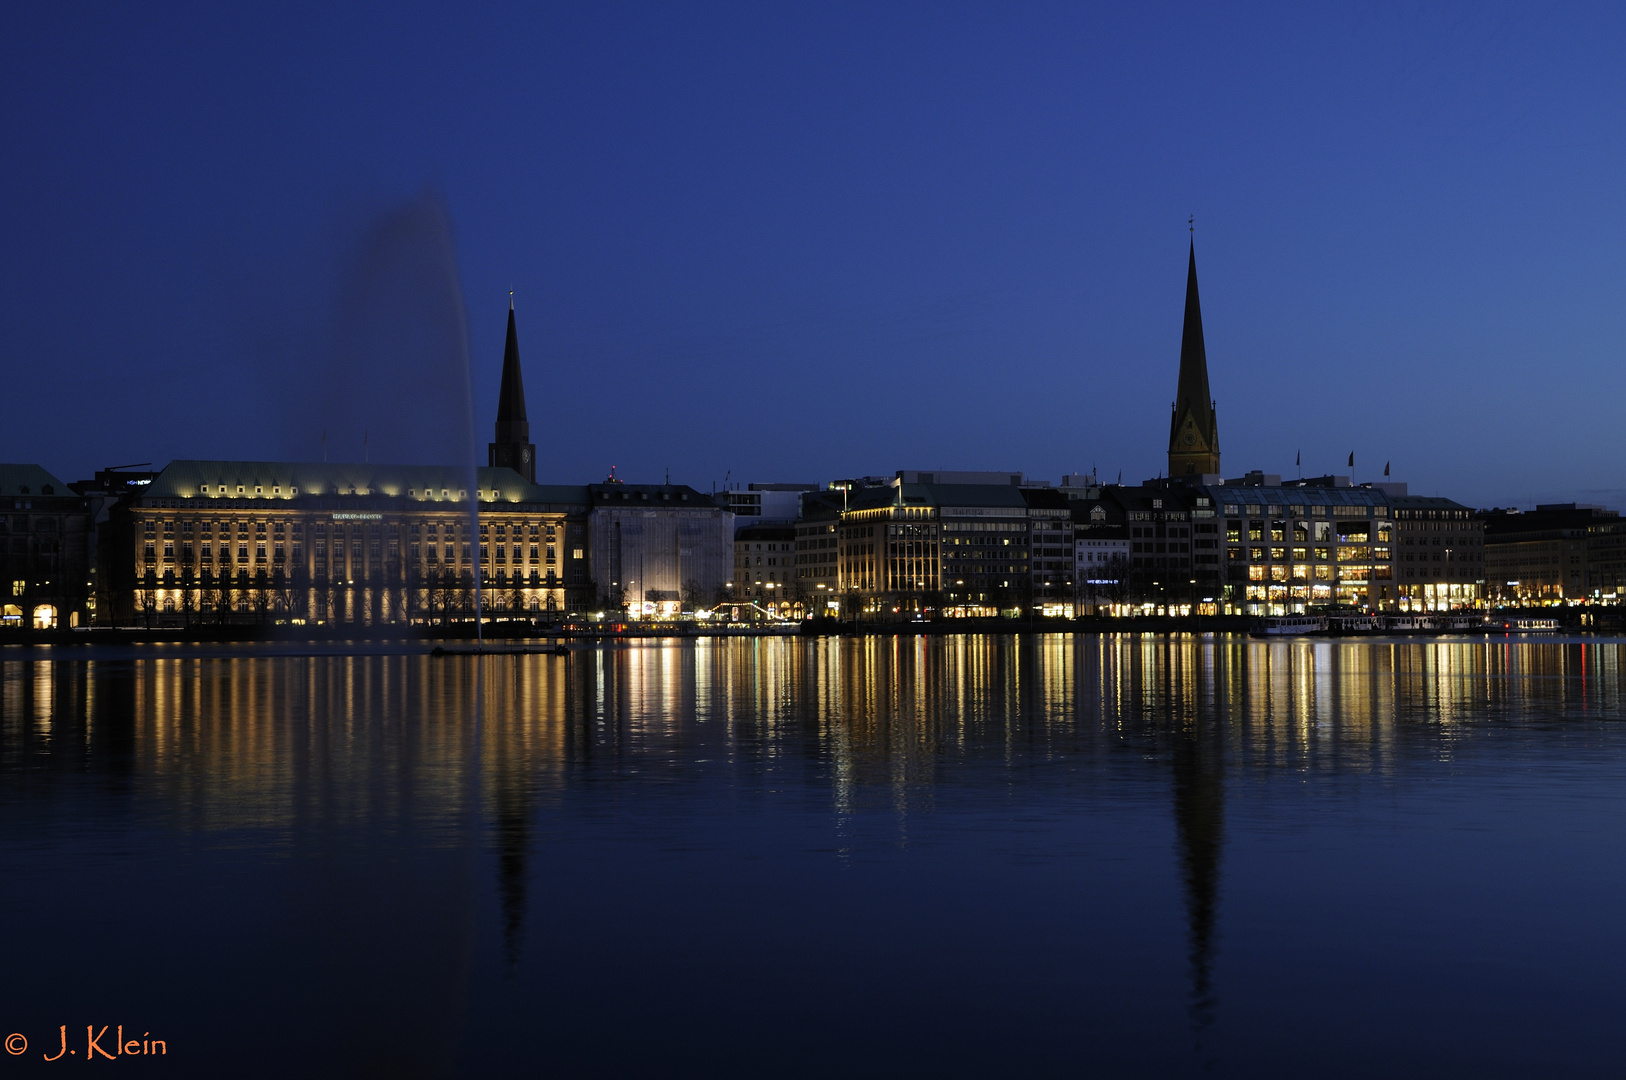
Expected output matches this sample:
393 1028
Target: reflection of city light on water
895 738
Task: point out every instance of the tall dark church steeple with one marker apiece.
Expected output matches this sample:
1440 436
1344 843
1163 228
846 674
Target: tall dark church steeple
1194 429
513 447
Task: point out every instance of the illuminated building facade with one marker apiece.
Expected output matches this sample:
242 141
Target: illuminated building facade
1258 546
1314 543
1050 545
242 541
765 569
986 544
962 550
658 549
1440 554
44 551
887 553
817 540
1606 561
1101 561
1556 552
1166 521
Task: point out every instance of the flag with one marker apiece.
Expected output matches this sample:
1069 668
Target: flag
1352 459
1298 459
1385 468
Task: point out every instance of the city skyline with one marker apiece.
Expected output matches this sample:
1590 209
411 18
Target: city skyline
747 247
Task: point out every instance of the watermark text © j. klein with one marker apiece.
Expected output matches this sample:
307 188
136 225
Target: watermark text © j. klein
103 1043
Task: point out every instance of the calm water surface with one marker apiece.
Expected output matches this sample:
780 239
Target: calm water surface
1013 856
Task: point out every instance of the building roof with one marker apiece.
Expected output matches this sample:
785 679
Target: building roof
650 496
24 479
1302 496
291 479
1047 499
983 495
943 496
820 506
1420 502
766 532
1546 522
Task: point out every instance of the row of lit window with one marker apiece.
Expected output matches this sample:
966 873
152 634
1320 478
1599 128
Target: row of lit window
1306 532
1318 592
1272 510
1346 553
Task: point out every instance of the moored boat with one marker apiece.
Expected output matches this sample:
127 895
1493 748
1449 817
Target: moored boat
1288 625
1523 624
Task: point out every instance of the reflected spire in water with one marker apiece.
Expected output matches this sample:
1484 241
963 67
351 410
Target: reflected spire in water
1199 814
513 817
1197 761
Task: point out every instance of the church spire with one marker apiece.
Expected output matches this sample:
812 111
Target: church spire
1193 429
512 447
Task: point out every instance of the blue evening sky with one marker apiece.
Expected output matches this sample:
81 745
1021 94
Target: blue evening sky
794 242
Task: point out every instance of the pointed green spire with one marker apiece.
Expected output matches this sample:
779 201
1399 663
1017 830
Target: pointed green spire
1193 428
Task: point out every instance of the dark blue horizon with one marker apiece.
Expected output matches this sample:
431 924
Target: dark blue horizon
801 242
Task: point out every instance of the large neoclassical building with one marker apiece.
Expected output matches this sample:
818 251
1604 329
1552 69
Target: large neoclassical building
367 544
236 541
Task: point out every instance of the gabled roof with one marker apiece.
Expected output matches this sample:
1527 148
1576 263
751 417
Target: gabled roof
30 480
650 496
